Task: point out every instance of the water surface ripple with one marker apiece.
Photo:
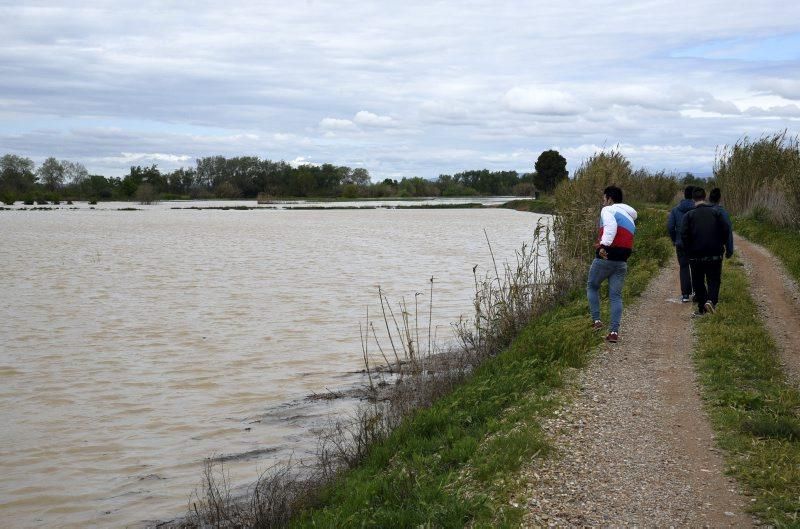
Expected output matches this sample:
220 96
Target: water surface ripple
135 344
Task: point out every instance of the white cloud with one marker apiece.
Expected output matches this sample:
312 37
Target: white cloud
424 87
301 160
534 100
368 119
720 107
781 111
786 88
336 124
445 112
141 157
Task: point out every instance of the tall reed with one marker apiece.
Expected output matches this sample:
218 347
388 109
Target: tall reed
761 176
654 187
578 202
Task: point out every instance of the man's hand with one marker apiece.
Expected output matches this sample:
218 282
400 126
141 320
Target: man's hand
603 253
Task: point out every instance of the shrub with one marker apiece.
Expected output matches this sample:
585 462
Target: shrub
577 202
146 194
349 191
659 187
227 190
524 189
265 198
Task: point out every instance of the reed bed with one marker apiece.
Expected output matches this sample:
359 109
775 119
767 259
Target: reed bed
761 177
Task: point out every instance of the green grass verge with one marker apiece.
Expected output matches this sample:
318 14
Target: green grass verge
752 407
456 463
546 205
783 242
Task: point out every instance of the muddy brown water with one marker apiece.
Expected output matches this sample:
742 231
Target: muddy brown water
135 344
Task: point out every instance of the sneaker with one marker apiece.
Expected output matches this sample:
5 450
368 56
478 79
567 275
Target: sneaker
709 307
685 299
597 325
613 337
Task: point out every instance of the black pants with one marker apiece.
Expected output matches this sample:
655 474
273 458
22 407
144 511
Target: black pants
685 273
706 276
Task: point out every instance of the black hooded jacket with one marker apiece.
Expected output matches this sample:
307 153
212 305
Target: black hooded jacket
704 232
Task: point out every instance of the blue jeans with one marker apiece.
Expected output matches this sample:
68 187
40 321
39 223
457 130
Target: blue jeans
614 271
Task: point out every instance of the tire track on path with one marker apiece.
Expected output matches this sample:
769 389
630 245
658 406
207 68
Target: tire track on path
778 300
635 446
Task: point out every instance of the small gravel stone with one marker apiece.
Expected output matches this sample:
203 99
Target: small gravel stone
635 448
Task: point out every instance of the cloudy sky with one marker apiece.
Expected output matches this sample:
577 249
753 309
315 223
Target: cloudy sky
400 88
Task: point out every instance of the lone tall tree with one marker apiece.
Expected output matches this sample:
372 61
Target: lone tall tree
51 174
551 168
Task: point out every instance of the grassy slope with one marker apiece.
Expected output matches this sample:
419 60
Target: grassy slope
755 412
783 242
545 205
454 463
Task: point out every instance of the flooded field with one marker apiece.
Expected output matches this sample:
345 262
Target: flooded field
134 344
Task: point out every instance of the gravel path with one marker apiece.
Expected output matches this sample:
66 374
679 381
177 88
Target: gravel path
635 445
778 301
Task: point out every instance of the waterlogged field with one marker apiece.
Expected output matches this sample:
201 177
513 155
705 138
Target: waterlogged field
136 344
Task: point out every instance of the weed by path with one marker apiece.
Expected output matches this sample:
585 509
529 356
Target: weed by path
782 242
755 412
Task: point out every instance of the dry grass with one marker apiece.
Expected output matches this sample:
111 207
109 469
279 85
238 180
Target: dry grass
267 504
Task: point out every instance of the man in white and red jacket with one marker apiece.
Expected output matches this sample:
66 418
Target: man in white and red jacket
613 247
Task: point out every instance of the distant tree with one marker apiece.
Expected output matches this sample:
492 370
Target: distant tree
16 173
358 176
139 175
180 181
690 179
74 172
98 186
51 174
551 168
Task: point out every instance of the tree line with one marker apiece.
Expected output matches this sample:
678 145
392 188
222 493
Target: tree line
252 177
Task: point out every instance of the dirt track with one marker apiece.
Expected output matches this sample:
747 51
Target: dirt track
636 447
778 301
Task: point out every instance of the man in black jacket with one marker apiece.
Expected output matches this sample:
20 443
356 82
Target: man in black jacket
704 235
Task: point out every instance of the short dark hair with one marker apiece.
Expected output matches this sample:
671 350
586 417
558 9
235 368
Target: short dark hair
715 195
687 193
699 193
614 193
